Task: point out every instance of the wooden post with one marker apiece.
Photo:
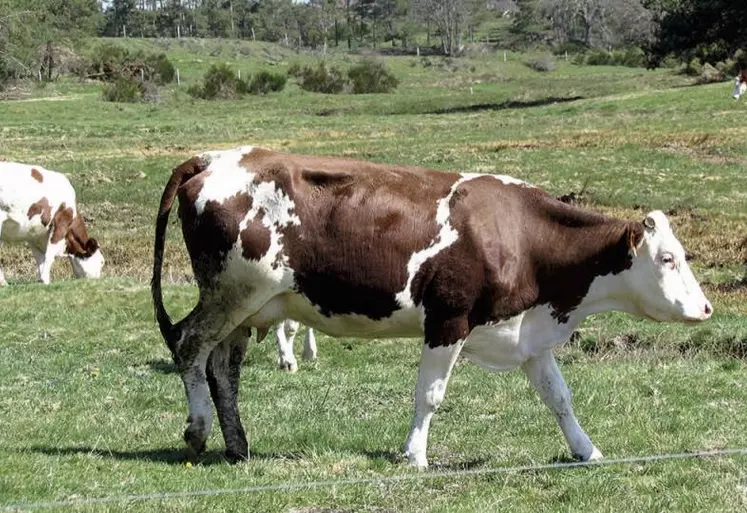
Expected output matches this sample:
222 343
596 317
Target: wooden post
178 79
239 74
504 55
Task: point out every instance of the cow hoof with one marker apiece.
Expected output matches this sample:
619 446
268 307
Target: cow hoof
288 366
195 444
420 462
234 457
309 357
595 455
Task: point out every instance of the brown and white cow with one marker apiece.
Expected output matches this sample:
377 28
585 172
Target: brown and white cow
37 206
740 84
483 265
286 332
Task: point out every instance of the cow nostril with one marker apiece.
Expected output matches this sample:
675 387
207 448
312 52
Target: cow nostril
708 309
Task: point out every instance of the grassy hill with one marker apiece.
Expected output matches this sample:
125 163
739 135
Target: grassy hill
91 406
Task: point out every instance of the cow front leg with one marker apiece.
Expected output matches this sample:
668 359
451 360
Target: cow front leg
44 254
223 373
309 345
436 362
42 266
286 358
545 375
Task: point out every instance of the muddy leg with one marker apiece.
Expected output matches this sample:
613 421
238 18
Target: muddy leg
223 373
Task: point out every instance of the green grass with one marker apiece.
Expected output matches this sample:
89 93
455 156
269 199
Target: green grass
91 407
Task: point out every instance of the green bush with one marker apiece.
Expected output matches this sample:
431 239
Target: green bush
693 68
634 58
322 79
124 90
369 76
220 81
542 64
159 69
294 70
109 62
265 81
598 58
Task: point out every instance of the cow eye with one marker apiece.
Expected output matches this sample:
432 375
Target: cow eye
668 260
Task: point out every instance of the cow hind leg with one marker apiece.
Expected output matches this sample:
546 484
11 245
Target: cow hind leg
201 331
309 345
545 375
223 373
437 359
286 333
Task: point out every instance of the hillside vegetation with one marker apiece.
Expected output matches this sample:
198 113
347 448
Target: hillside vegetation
91 405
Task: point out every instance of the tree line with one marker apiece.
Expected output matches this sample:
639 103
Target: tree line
707 29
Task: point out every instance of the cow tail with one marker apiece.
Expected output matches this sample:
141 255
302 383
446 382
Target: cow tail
170 332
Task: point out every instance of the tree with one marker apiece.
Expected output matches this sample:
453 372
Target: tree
449 16
31 32
710 30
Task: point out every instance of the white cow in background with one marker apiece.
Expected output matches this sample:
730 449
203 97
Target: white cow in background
37 206
286 331
740 84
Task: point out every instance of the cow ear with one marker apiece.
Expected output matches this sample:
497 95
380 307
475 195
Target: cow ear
91 246
635 237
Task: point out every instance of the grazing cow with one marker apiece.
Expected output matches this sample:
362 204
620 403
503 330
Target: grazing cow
483 265
286 331
37 206
740 84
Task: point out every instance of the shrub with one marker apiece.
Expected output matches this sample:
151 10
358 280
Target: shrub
220 82
693 68
106 62
710 74
322 79
598 58
109 62
542 64
124 90
159 69
370 76
265 81
634 58
294 70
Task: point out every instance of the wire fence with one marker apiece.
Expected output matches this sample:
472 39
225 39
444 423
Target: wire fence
415 476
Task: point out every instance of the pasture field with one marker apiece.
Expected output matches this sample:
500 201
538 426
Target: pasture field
90 406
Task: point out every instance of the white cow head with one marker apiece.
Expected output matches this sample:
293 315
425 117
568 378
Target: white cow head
661 282
88 266
740 85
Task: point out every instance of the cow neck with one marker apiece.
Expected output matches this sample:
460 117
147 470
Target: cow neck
579 257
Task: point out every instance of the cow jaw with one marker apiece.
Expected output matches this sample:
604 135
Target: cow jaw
88 267
660 283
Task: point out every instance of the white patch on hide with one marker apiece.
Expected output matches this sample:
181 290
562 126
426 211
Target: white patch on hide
447 236
225 176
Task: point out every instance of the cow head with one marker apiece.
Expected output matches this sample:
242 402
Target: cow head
663 286
740 85
88 264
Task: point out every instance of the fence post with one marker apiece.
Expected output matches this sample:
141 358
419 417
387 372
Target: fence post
178 80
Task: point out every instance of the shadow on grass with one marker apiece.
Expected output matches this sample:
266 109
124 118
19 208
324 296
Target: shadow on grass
167 456
508 104
162 366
